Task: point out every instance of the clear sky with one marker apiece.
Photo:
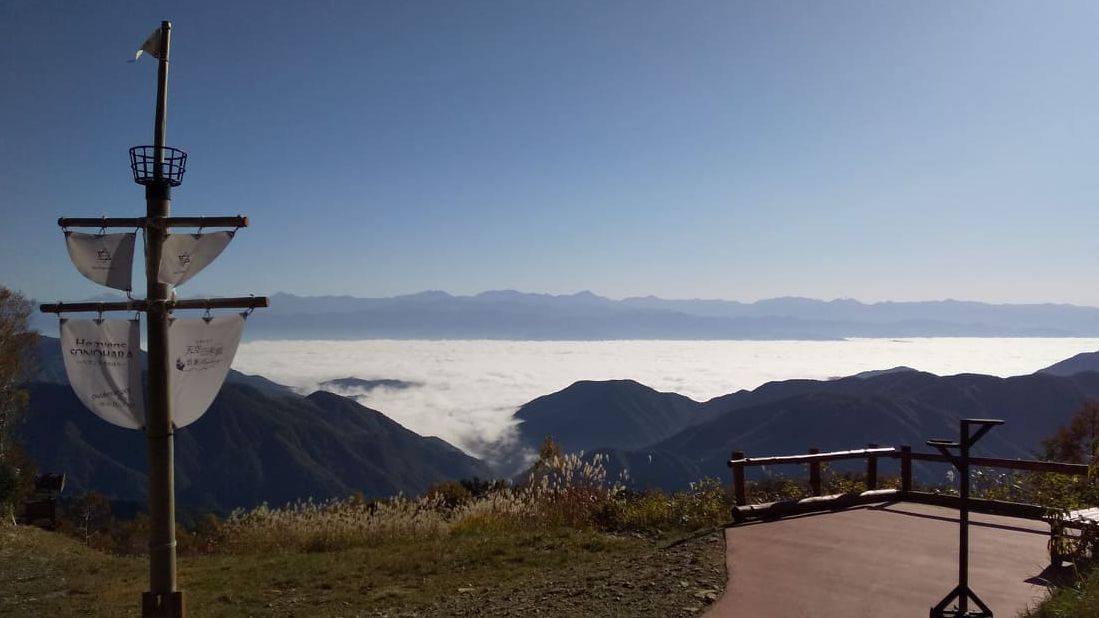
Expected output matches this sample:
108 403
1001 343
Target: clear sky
740 150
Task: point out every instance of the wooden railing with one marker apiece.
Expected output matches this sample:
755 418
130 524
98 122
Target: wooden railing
738 462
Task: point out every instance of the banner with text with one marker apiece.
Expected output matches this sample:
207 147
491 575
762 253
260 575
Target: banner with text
101 360
107 259
201 351
184 255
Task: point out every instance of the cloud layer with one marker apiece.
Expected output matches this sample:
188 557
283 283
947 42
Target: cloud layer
469 389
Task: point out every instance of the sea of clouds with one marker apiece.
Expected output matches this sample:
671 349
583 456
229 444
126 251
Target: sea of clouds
466 391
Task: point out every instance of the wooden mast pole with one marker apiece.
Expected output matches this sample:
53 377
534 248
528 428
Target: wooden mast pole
162 599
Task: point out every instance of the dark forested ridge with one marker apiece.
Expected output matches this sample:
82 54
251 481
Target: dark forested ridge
258 442
249 448
891 408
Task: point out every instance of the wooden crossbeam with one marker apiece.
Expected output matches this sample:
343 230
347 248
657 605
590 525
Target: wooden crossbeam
237 302
167 222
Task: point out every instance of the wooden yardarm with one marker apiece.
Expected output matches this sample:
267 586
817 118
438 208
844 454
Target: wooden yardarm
158 176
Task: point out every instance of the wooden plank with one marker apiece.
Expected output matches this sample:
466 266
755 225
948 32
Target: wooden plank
832 456
1011 464
1084 516
894 453
787 508
814 474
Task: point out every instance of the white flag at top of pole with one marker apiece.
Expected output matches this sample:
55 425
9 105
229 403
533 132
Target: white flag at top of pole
151 46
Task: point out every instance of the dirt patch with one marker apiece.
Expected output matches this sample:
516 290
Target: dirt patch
663 579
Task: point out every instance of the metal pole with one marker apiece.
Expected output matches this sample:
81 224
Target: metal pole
962 592
162 599
963 517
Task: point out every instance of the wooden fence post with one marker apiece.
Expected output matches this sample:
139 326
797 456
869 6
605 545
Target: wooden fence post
906 469
871 469
738 478
814 473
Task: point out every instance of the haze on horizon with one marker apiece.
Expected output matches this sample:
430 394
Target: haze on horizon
887 151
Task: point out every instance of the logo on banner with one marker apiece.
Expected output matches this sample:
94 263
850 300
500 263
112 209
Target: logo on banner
185 255
203 355
203 349
101 362
106 259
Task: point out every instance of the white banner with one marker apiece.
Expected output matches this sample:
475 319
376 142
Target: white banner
107 259
184 255
201 350
101 360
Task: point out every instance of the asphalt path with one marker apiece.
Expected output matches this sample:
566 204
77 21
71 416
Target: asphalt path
893 560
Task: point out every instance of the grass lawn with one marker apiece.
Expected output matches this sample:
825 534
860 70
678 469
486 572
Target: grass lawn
45 574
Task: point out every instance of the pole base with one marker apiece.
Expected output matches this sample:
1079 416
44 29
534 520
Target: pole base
169 605
962 594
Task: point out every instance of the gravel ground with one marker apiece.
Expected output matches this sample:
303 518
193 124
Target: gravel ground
680 579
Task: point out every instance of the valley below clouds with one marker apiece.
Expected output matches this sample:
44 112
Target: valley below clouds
465 392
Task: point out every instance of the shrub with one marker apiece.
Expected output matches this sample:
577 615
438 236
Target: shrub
450 494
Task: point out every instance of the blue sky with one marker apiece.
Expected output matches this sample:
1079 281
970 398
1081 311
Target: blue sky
740 150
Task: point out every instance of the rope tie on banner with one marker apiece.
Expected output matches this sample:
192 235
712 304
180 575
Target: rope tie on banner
250 309
206 314
103 228
99 314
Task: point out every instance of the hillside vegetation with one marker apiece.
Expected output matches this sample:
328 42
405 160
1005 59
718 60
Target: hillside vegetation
567 543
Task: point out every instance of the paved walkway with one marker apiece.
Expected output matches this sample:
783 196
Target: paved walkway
893 560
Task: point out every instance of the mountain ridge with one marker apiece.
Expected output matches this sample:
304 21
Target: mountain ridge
510 314
259 442
892 408
584 316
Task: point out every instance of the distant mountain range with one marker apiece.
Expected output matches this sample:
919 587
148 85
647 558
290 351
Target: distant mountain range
584 316
507 314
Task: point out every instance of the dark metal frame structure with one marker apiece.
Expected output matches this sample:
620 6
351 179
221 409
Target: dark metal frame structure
962 593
